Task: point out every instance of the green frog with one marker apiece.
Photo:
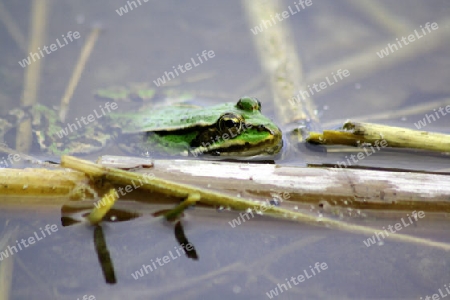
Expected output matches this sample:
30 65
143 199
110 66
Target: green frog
225 130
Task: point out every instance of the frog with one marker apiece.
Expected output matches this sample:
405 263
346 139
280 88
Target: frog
224 130
230 130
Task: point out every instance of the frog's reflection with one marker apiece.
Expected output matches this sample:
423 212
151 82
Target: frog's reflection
75 214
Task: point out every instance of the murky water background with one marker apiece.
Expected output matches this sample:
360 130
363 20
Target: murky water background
260 255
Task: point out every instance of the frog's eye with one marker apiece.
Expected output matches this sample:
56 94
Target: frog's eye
249 104
230 122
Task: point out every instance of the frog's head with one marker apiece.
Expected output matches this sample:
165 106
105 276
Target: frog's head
241 131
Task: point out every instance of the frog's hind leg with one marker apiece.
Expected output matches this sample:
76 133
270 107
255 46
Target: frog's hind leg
174 215
176 212
182 240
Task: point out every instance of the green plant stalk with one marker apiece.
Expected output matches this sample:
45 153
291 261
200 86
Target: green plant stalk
170 188
358 133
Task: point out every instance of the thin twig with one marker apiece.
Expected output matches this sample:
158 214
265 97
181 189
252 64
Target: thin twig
76 75
7 264
358 133
384 17
32 75
279 60
367 63
12 28
400 113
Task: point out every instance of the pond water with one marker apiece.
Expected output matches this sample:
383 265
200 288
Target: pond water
258 259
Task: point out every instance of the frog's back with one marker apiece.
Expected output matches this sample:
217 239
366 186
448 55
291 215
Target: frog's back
171 118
